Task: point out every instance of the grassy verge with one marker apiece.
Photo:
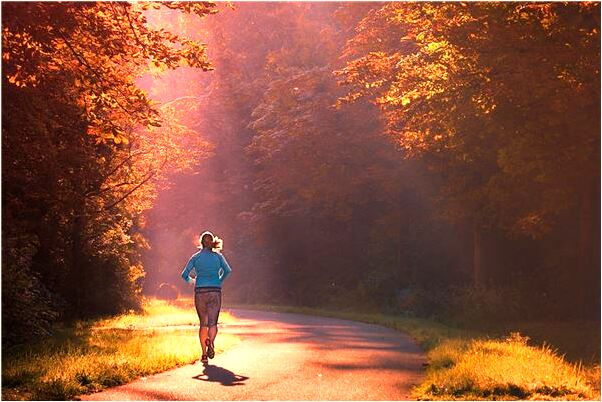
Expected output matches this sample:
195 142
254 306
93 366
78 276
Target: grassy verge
93 355
470 364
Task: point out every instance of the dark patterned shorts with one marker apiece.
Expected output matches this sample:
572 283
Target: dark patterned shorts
208 302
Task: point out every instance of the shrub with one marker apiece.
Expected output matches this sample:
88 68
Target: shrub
477 304
23 294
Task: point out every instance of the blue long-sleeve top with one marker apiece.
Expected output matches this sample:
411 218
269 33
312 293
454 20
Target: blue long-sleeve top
211 269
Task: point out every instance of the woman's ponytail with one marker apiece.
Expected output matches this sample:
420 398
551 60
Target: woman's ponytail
218 244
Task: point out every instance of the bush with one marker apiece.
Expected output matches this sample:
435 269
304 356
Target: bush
476 304
417 301
112 292
27 306
469 304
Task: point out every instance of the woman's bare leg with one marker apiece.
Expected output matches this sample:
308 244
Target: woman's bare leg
202 336
212 333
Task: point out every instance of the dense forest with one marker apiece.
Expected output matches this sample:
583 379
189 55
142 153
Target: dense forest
433 159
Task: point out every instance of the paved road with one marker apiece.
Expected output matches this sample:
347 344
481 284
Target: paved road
291 357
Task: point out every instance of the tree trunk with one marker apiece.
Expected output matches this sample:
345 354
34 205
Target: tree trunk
400 241
585 230
77 268
587 278
476 255
404 265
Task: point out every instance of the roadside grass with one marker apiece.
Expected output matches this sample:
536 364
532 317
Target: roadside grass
501 369
91 355
470 364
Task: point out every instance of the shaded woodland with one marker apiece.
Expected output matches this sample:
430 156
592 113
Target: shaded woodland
432 159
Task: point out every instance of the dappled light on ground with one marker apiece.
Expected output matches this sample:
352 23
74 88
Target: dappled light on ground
467 364
292 357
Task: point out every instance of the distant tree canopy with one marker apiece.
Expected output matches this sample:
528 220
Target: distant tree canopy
490 84
83 150
483 91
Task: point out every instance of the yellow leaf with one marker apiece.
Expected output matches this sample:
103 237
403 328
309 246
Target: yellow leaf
434 46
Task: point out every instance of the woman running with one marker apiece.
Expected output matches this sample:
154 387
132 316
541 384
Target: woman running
211 269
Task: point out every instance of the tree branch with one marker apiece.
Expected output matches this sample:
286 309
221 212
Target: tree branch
150 176
127 14
85 63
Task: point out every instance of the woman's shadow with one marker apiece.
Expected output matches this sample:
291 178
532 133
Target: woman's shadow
221 375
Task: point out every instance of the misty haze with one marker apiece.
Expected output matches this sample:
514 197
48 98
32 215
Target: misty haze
432 168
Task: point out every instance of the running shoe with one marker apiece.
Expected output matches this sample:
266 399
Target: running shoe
204 359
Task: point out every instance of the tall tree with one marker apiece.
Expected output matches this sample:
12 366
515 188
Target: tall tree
82 152
482 92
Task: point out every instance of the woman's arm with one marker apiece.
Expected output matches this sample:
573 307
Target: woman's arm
225 266
186 272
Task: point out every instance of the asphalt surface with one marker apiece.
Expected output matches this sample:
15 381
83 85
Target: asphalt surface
291 357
